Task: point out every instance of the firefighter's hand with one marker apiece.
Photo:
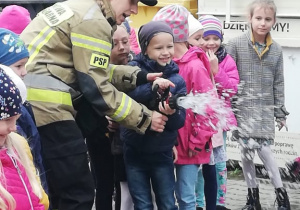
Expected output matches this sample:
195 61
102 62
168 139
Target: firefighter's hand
166 108
113 126
192 153
153 76
162 83
175 154
158 122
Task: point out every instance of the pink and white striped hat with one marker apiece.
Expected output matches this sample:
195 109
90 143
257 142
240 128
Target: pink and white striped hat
211 26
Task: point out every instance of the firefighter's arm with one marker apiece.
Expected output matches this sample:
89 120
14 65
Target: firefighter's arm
126 78
91 50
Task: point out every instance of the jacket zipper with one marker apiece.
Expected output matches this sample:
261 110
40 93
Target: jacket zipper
19 172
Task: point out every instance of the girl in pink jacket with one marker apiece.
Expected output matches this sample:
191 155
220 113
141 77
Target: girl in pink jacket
225 75
194 139
20 188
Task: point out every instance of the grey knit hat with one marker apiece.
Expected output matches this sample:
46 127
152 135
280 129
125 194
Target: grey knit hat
148 31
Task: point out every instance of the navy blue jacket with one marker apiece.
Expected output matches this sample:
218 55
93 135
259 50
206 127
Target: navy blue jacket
26 127
152 142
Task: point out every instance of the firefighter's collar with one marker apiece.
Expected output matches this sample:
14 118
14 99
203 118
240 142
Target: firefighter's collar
109 13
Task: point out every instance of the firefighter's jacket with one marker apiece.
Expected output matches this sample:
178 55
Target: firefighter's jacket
70 46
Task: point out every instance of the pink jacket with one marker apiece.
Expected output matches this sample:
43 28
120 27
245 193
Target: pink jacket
134 45
196 133
227 80
14 183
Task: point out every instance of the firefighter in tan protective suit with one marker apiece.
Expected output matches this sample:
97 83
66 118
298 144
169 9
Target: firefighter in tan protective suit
70 45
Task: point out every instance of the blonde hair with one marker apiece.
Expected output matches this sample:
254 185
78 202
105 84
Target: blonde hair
266 4
6 198
16 148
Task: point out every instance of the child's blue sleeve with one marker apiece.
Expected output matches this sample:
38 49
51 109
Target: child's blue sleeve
142 94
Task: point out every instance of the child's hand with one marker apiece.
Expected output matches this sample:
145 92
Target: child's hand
214 62
162 83
153 76
175 155
281 124
192 153
113 126
166 109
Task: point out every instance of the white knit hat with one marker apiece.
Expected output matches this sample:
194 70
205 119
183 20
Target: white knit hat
17 80
194 25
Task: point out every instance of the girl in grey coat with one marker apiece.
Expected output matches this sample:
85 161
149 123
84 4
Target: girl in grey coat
260 99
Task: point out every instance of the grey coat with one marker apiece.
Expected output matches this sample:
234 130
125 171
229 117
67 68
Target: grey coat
260 95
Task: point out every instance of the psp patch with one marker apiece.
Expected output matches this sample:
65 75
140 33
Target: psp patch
100 61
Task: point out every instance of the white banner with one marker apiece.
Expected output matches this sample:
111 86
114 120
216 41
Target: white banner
285 31
286 148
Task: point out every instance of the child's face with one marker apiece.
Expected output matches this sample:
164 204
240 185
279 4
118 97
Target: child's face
7 126
124 8
120 51
262 21
161 48
211 42
196 38
19 67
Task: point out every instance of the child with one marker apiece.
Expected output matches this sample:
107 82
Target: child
14 54
225 75
17 81
194 140
195 31
261 98
209 189
123 199
148 158
14 18
120 53
19 186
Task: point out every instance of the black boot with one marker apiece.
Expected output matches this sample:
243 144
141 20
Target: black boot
252 200
282 199
199 208
222 208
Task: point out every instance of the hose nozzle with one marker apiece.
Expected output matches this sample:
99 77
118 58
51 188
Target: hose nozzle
173 100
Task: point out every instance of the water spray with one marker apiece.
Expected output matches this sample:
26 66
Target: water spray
199 103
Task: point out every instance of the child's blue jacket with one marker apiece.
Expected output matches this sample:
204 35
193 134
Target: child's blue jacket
152 142
26 127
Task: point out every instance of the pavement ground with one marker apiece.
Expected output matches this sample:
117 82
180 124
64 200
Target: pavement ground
237 192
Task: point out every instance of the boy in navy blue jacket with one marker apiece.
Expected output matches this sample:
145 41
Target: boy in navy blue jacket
148 158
